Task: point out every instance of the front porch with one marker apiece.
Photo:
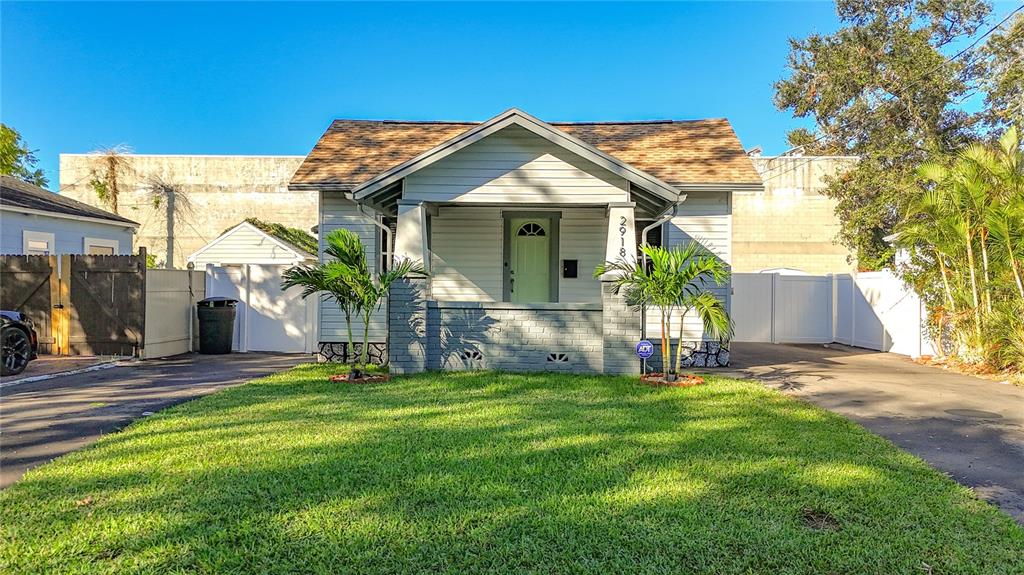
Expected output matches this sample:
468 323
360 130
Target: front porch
509 220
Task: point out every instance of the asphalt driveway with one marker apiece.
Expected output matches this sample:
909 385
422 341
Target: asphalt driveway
971 428
41 420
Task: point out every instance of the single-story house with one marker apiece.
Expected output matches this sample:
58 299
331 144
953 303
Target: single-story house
246 263
35 221
510 217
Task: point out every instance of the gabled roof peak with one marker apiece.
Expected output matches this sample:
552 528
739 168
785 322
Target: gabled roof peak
510 117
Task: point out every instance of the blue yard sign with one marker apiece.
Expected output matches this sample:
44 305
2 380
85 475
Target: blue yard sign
644 349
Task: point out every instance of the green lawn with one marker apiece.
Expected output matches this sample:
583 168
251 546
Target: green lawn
467 473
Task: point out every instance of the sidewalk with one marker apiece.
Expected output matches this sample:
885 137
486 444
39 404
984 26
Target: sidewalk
54 364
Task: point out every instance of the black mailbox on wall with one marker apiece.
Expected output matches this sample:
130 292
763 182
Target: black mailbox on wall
569 268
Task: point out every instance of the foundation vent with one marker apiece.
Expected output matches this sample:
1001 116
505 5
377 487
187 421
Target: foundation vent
558 358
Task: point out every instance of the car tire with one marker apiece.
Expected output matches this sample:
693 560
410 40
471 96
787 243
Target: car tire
16 351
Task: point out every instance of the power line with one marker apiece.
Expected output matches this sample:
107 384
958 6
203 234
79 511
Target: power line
902 91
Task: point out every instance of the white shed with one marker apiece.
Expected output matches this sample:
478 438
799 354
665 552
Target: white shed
247 263
252 242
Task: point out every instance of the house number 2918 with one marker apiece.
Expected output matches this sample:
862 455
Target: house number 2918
622 235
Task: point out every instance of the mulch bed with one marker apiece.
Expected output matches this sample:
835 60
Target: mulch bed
683 380
363 378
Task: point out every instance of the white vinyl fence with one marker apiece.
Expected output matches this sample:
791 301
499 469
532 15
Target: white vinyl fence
873 310
171 322
267 318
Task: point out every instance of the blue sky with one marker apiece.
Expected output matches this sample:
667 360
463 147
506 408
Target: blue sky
267 78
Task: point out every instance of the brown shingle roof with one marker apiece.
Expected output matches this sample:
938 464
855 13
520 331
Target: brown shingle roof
678 152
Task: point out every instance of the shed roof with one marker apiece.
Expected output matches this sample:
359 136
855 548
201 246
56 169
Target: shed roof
679 152
244 253
15 193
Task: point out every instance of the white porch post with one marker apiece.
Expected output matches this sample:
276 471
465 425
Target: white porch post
411 234
621 241
621 322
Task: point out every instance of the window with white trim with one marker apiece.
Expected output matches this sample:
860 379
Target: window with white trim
100 247
385 247
37 243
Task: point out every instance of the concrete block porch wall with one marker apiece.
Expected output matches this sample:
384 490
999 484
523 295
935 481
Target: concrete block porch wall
516 337
561 337
425 334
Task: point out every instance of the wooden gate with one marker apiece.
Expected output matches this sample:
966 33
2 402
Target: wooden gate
81 304
28 285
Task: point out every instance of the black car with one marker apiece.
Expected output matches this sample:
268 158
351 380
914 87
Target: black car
19 340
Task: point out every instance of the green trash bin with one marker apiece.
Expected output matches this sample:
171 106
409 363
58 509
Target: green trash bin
216 324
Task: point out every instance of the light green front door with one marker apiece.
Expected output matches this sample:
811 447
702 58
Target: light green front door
530 255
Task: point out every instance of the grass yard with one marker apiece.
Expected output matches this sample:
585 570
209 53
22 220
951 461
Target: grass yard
469 473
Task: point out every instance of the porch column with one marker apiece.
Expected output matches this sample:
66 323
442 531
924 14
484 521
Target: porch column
621 323
411 233
409 299
620 243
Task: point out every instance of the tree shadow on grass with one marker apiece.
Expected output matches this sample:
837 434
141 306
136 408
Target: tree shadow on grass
479 472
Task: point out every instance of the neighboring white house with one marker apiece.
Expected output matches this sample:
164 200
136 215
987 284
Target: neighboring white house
35 221
246 263
510 217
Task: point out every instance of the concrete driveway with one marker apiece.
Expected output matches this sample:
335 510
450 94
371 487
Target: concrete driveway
41 420
969 427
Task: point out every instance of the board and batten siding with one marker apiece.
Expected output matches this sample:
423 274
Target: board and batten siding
336 212
705 217
244 245
515 166
466 253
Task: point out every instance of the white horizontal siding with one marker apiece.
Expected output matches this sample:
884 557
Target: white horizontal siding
582 236
335 213
515 166
705 217
68 234
466 254
244 246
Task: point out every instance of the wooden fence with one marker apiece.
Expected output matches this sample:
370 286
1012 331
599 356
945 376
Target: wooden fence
81 304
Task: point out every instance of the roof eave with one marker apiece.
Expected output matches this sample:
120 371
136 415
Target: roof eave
78 217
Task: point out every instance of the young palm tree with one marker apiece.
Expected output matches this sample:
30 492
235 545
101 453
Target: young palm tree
697 270
347 259
674 279
370 291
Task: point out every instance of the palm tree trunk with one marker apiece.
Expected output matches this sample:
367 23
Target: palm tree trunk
984 267
348 327
664 342
1016 276
1015 266
945 281
974 287
364 357
679 344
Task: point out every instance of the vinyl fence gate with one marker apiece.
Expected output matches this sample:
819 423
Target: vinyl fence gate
874 310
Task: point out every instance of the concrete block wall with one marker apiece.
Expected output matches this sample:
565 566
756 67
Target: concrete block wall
621 332
212 193
516 337
791 224
409 325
